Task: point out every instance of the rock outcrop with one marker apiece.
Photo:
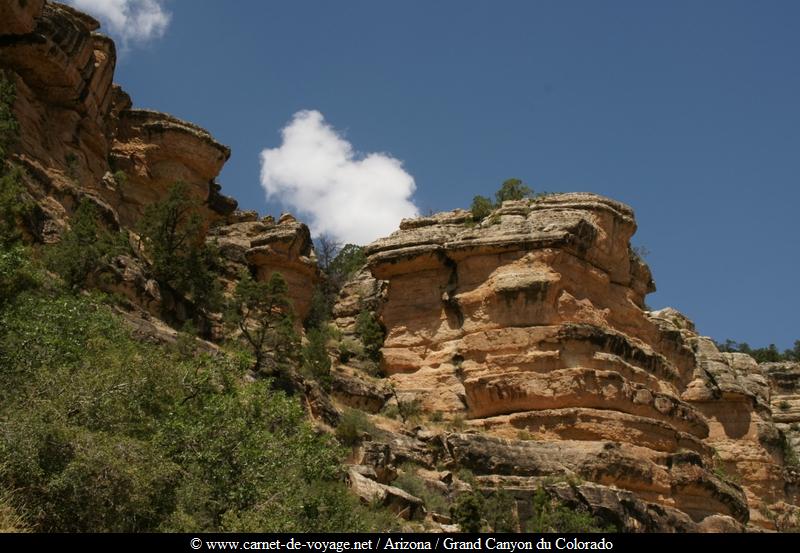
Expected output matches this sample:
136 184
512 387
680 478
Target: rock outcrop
80 138
265 247
79 134
532 324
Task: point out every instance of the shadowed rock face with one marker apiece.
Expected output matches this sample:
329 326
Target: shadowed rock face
532 324
155 150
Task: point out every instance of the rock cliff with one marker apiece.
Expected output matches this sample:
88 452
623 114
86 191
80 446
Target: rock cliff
532 325
81 138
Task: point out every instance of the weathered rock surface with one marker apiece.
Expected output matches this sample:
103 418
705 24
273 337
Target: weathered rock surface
265 247
81 138
361 292
78 130
532 324
155 150
17 17
402 503
356 390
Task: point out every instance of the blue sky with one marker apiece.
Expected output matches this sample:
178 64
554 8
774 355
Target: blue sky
687 111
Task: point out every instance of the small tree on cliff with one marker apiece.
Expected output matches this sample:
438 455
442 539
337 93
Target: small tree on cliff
174 236
481 207
85 248
512 189
263 314
9 128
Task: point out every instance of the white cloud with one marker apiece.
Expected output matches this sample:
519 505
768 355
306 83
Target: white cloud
131 20
317 174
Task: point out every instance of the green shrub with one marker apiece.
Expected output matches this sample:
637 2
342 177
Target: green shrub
468 510
501 512
261 311
492 511
320 311
512 189
391 411
352 425
409 409
17 273
349 348
371 334
338 264
120 177
9 128
552 516
71 160
174 236
481 208
434 500
84 249
769 354
466 475
103 433
790 458
11 521
524 435
348 261
13 208
458 423
316 362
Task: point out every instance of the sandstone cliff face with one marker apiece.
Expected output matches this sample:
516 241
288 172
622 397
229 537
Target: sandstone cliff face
532 324
81 138
265 247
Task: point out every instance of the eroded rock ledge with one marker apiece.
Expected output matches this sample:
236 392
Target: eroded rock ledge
532 324
81 138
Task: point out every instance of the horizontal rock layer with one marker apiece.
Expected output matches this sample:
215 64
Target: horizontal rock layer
80 138
532 324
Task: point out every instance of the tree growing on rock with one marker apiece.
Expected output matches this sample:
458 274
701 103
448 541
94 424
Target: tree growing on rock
371 334
9 127
84 248
263 314
511 189
174 236
481 207
338 263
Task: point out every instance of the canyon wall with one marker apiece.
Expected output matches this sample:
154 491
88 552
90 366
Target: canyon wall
524 337
532 325
80 138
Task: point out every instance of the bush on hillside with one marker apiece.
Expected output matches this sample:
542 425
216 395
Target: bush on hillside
103 433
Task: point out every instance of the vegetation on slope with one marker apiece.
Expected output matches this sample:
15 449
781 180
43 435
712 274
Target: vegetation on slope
100 432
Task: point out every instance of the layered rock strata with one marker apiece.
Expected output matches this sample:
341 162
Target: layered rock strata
532 325
78 132
80 138
264 246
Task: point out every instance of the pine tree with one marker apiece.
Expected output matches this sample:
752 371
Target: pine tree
263 314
